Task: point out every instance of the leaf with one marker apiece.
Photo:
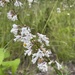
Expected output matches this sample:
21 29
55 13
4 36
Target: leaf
12 64
15 65
1 55
7 64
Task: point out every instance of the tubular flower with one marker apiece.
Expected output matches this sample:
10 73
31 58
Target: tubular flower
43 66
17 3
12 16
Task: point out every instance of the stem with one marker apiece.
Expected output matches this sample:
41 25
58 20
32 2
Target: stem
7 44
49 16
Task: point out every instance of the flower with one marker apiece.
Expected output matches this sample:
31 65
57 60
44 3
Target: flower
14 30
11 16
42 66
43 38
25 31
37 55
28 52
27 44
17 3
58 10
48 53
14 18
58 65
34 59
18 37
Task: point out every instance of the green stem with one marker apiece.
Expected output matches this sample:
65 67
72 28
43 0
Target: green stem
49 17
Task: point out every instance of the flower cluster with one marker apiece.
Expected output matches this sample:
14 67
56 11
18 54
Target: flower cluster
35 46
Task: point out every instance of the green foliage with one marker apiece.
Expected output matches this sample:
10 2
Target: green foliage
58 72
12 64
4 65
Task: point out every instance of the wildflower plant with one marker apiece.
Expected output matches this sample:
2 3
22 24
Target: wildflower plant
36 46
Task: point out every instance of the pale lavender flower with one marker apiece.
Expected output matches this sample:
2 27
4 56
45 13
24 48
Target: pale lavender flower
14 30
58 10
37 55
28 52
17 3
12 16
42 38
43 67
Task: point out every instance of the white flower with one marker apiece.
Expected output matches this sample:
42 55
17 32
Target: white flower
43 38
11 16
48 53
27 44
15 26
18 3
37 55
14 18
42 67
58 65
34 60
40 53
14 30
26 36
25 31
18 37
1 3
58 10
28 52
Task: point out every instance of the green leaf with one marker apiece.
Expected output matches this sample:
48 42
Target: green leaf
1 55
12 64
7 64
15 65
